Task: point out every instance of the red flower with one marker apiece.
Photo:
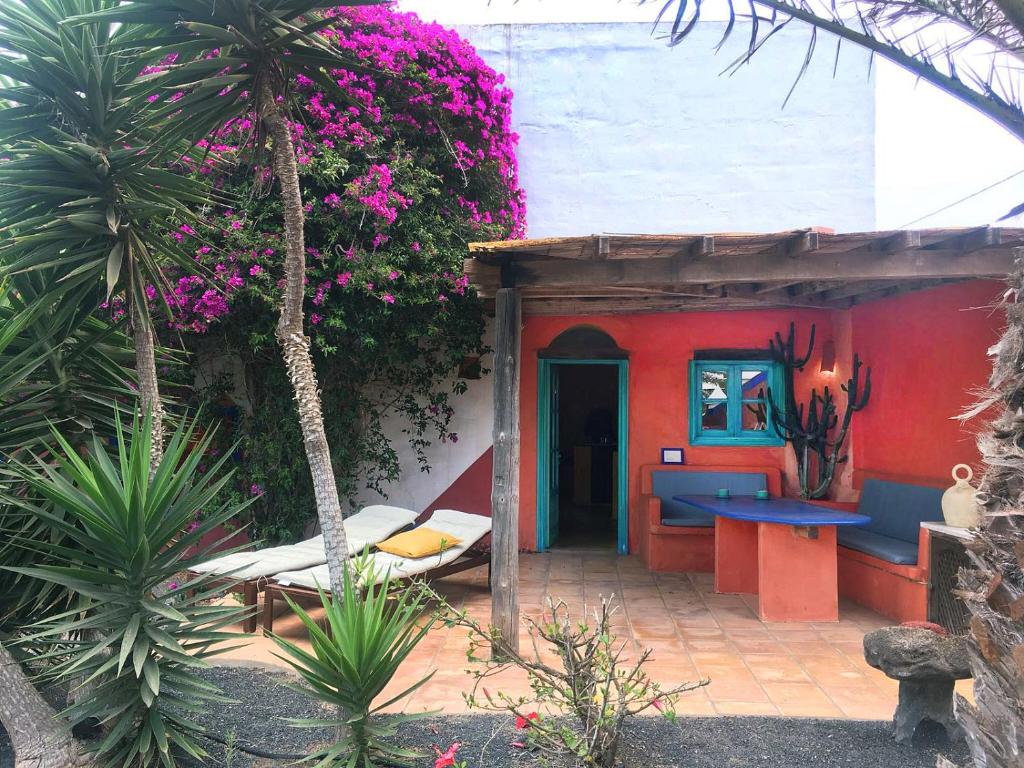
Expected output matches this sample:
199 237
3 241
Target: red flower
656 703
446 759
524 722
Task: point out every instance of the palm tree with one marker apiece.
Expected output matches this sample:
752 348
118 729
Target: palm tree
83 184
238 58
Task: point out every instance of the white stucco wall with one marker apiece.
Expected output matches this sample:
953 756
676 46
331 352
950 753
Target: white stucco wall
620 133
472 422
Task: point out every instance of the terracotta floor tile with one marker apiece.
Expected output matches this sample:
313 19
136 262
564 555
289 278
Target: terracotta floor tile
760 645
730 691
709 646
775 668
747 708
702 633
801 648
793 669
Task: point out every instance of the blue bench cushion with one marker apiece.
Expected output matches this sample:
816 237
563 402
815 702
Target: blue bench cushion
883 547
898 509
685 516
666 484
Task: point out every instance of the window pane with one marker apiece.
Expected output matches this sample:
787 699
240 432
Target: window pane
714 415
714 385
755 416
754 381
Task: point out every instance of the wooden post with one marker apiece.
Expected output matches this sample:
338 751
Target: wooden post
505 477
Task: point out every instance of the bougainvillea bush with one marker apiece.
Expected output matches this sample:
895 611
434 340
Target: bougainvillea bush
406 158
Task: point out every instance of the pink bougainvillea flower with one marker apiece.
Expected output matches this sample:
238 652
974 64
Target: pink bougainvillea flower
172 586
374 123
446 759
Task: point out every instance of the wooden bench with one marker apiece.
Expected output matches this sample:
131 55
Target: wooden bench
676 538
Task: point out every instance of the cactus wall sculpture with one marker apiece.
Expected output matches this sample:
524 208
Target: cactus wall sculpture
818 435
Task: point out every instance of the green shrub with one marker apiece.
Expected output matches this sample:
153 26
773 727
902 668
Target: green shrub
120 537
367 638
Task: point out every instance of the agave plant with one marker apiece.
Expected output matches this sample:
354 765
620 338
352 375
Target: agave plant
369 634
121 536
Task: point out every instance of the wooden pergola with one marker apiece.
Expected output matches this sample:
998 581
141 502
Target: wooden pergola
626 273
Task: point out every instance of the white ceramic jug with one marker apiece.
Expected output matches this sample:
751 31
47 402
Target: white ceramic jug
959 505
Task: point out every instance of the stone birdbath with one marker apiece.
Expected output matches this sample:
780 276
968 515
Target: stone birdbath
927 664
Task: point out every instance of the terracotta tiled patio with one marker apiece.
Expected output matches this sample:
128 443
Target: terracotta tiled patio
756 668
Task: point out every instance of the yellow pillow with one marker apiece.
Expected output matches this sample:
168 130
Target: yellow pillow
419 542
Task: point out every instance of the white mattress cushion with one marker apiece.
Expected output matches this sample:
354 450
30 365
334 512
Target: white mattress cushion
363 529
465 527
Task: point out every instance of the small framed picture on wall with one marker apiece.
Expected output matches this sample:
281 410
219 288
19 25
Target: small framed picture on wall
672 456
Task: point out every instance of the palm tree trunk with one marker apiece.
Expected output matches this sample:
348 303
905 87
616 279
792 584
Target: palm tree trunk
993 588
149 388
39 738
295 343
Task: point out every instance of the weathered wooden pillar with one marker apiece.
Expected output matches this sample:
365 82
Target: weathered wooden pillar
505 477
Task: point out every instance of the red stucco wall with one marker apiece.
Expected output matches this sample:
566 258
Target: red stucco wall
661 347
927 351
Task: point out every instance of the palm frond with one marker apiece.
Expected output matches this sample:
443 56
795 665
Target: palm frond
938 41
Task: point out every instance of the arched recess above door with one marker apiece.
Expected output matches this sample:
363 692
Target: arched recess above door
584 342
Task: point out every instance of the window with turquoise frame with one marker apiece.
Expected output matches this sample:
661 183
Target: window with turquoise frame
729 402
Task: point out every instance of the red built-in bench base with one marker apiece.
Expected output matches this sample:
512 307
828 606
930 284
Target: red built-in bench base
898 592
678 549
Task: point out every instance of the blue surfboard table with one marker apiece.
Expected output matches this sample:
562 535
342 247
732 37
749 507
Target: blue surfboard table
782 550
773 510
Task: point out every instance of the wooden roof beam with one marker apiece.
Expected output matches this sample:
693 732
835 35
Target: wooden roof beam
973 240
802 242
749 292
835 267
857 288
762 288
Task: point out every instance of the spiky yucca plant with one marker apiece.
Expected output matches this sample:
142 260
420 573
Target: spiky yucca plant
123 535
369 634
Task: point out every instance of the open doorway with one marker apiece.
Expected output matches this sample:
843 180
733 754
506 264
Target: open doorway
582 454
587 455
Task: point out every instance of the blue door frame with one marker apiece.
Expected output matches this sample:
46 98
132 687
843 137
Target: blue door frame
544 449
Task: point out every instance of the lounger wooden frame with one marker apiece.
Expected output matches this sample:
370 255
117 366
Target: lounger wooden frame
251 588
471 558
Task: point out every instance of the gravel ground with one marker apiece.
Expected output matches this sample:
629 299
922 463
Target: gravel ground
651 742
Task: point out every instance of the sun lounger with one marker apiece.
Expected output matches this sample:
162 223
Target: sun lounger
469 529
363 529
